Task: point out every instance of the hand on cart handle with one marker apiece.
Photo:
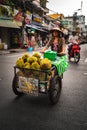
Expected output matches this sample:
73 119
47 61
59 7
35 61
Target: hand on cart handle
43 50
61 54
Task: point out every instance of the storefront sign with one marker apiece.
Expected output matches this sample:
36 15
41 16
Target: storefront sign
18 17
36 19
28 18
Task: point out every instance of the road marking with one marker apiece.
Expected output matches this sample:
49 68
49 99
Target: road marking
81 59
86 60
85 73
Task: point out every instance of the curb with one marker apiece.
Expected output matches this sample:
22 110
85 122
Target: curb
4 52
10 51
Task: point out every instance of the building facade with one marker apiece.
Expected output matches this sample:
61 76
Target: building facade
75 23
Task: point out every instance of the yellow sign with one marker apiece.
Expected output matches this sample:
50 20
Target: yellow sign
36 19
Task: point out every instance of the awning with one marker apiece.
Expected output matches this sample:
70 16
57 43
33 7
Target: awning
35 27
8 23
55 16
19 24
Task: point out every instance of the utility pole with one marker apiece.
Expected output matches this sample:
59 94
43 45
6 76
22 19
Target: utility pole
74 21
23 23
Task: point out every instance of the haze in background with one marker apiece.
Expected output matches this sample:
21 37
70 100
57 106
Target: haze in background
68 7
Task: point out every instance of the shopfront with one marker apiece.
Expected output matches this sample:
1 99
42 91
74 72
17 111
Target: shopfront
36 27
7 28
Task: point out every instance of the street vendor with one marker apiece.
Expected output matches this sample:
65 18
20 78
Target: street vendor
57 42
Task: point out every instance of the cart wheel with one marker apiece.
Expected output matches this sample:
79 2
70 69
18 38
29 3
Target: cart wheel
55 89
15 86
56 74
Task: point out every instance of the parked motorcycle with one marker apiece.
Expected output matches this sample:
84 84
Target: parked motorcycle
74 52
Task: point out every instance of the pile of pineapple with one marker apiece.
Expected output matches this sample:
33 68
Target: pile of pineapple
33 62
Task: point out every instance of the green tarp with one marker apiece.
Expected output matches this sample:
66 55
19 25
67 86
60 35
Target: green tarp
61 64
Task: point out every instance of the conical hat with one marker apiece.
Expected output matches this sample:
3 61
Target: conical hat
55 29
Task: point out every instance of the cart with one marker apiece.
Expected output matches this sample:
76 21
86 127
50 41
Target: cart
35 82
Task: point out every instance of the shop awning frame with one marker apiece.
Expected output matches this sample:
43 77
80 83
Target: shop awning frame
8 24
36 27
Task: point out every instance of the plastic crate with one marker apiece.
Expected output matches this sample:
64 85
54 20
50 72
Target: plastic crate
51 55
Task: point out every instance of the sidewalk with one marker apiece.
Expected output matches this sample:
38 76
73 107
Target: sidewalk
9 51
4 52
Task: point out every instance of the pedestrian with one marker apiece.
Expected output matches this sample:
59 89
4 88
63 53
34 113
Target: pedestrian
40 41
33 40
57 42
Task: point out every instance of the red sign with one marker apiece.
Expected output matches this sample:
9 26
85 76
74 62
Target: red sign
18 17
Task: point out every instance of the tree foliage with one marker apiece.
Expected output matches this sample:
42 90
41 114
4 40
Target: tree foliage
43 3
3 11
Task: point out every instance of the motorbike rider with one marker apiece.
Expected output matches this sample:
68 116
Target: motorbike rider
57 42
73 39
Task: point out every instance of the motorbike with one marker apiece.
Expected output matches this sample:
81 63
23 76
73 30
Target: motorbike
74 52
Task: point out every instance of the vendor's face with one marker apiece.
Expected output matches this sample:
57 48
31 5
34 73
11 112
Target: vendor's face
55 33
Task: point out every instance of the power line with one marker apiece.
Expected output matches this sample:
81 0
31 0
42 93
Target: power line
53 11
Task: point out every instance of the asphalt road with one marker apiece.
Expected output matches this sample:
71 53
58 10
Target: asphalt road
36 113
